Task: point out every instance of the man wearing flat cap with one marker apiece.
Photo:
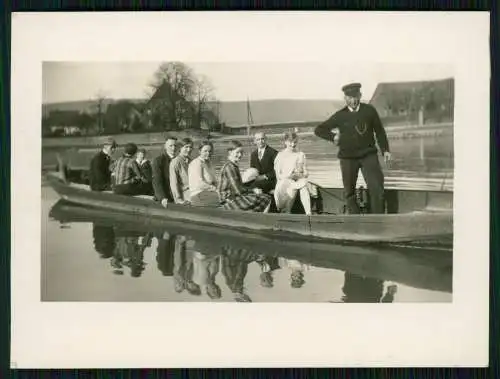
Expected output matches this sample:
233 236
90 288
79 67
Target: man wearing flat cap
353 128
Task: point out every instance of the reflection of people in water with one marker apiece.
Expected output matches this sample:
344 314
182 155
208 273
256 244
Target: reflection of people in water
165 253
205 269
267 265
129 251
297 270
183 268
104 240
234 268
360 289
389 295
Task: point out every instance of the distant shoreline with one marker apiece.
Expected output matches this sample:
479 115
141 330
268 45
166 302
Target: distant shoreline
157 138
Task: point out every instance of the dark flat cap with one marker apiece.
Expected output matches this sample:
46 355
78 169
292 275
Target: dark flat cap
351 89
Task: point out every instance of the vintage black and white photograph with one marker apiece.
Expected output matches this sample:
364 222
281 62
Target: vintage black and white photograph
247 182
168 167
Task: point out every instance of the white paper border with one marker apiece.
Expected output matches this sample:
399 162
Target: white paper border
216 335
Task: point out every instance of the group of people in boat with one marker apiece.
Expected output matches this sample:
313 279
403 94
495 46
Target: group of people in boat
274 178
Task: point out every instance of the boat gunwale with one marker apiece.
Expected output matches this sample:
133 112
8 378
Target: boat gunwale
280 216
181 212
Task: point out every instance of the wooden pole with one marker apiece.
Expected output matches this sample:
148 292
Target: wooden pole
422 143
249 121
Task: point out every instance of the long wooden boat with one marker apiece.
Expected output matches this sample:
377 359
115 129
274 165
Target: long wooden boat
419 266
366 228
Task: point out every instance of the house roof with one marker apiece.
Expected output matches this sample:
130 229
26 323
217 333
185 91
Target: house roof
164 90
398 87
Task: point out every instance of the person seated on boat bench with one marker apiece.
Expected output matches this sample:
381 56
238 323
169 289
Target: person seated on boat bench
100 167
232 193
128 177
262 159
179 182
353 128
146 171
291 173
202 179
161 172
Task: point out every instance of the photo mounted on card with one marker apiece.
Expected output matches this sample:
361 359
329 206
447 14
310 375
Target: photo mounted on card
319 188
172 147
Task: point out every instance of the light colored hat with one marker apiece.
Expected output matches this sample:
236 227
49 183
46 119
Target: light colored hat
250 174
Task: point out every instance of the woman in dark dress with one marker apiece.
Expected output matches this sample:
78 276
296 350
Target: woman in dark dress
232 193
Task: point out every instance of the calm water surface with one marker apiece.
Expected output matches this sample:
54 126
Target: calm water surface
85 259
88 260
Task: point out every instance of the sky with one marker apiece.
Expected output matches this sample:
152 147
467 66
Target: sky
232 81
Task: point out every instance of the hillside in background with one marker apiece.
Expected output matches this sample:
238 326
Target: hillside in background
271 111
235 112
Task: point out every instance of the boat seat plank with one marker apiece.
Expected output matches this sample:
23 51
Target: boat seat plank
87 188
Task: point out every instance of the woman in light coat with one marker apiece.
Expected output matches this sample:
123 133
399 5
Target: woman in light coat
202 179
291 174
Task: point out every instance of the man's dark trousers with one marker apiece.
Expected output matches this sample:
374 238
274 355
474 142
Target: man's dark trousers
374 178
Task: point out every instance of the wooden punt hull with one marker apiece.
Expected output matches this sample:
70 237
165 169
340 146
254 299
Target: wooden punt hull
353 228
425 267
398 200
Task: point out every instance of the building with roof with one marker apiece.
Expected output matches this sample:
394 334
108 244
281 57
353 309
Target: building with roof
415 102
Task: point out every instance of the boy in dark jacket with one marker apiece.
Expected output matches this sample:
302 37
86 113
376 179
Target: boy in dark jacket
100 167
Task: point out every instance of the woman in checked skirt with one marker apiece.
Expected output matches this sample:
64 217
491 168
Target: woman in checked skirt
232 193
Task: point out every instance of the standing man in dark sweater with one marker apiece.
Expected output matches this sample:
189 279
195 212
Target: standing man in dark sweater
100 167
161 172
353 129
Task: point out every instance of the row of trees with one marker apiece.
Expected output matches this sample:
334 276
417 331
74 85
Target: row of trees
178 99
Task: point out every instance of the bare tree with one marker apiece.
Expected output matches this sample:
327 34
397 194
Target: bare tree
203 94
173 87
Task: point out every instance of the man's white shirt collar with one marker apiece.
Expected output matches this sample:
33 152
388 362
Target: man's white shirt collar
260 151
353 109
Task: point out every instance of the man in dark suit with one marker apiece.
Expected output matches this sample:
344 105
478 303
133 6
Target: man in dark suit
100 167
161 172
262 159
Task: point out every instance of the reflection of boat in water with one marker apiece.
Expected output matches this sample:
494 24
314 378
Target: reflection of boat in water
402 227
425 267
